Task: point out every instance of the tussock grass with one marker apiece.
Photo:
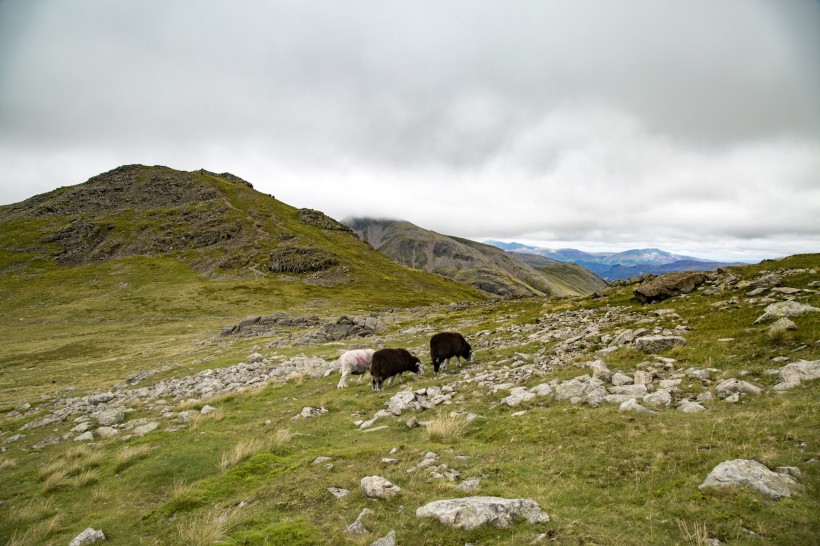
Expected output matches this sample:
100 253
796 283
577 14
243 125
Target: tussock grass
698 535
33 510
37 533
207 528
5 463
296 378
54 480
281 438
446 428
779 335
87 477
241 451
129 455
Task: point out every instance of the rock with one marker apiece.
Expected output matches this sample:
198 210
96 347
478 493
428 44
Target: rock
583 389
338 492
619 379
657 344
413 422
357 527
792 471
145 429
89 536
752 475
82 427
320 460
783 323
791 375
469 485
785 309
378 487
633 405
106 432
518 395
659 399
85 437
638 389
642 377
388 540
600 370
733 398
542 390
14 438
691 407
669 285
402 401
731 386
308 412
207 409
472 512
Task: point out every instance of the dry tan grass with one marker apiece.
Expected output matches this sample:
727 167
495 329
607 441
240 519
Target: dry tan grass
281 437
36 534
698 536
55 480
196 420
129 455
241 451
297 378
446 428
33 510
5 463
207 528
179 490
87 477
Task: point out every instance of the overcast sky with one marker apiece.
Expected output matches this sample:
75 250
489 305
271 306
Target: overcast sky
693 126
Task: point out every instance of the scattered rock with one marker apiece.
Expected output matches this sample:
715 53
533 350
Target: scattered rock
659 399
308 412
791 375
752 475
633 405
388 540
657 344
338 492
89 536
469 485
378 487
472 512
142 430
357 527
730 386
85 437
691 407
518 395
785 309
583 389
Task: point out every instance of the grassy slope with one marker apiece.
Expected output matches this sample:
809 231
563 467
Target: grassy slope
603 476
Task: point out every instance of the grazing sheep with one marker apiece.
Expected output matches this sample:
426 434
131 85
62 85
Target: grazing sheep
356 362
445 345
388 363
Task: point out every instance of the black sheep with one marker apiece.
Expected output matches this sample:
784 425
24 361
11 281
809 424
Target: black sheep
388 363
446 345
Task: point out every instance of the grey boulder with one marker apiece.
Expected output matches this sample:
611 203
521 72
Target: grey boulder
472 512
752 475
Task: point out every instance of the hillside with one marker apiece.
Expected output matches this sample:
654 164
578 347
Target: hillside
605 414
137 227
483 266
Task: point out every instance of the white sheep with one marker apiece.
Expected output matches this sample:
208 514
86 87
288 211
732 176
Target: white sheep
356 362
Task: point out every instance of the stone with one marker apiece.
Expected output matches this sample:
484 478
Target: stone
89 536
106 432
413 422
638 389
583 389
669 285
642 377
619 379
752 475
471 512
108 417
469 485
542 390
659 399
785 309
691 407
783 323
308 412
791 375
338 492
518 395
633 405
142 430
657 344
14 438
388 540
357 527
84 437
731 386
320 460
378 487
207 409
82 427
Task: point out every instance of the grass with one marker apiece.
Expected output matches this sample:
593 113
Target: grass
603 476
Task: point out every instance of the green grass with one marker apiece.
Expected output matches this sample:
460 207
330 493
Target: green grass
603 476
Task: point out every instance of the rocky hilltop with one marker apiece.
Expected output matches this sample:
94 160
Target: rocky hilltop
483 266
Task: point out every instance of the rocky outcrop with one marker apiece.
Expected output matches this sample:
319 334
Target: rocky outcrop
786 308
471 512
669 285
752 475
791 375
321 220
298 259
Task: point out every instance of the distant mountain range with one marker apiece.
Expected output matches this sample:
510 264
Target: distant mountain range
614 266
484 266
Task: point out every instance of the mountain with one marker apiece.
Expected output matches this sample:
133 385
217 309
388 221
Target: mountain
481 265
618 265
161 223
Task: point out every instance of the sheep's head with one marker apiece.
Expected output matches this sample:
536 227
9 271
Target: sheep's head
418 367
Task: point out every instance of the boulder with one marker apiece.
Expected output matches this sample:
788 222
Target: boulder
659 399
791 375
633 405
752 475
89 536
657 344
669 285
378 487
357 527
691 407
518 395
731 386
472 512
388 540
583 389
785 309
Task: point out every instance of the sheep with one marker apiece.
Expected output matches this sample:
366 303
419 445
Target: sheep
356 362
388 363
445 345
